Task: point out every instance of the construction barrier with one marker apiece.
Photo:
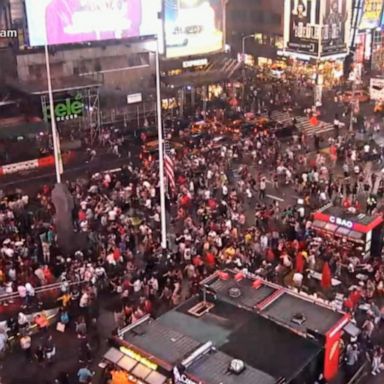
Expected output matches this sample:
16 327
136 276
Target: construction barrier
43 162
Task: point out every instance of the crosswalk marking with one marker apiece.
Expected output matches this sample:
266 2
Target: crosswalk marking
275 198
303 123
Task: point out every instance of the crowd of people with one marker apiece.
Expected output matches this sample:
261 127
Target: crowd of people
220 215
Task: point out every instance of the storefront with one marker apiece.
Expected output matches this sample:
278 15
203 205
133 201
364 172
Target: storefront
128 366
358 230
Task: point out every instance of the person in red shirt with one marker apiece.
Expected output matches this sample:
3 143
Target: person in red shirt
210 261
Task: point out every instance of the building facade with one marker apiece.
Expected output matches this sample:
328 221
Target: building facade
264 19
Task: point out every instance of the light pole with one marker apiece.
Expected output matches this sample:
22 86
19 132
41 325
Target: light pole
55 136
243 40
163 216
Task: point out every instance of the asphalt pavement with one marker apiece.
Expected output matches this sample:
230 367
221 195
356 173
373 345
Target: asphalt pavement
15 368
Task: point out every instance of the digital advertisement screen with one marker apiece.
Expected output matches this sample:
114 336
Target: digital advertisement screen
371 14
193 27
76 21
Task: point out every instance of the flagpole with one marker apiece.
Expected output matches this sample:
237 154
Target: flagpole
163 217
55 138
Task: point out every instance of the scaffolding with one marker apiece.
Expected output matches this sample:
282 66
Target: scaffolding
90 118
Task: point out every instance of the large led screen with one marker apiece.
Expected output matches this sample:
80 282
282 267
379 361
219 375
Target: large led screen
76 21
193 27
371 14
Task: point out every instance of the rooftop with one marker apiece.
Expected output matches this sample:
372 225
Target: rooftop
235 333
255 327
341 212
276 303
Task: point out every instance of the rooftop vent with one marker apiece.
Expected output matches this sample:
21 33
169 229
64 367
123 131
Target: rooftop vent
234 292
201 308
236 366
298 318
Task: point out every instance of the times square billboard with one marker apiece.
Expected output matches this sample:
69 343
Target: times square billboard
79 21
317 28
190 27
193 27
371 15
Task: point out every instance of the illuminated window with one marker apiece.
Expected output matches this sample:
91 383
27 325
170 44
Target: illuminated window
259 38
279 42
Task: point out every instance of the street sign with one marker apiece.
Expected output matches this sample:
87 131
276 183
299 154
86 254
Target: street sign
134 98
376 89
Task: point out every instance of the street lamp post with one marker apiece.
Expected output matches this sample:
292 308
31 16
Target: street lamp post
163 216
55 136
243 40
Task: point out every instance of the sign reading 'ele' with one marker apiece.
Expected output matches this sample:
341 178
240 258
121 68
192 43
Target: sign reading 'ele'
67 109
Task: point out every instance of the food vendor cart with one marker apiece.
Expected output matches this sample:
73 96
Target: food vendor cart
359 228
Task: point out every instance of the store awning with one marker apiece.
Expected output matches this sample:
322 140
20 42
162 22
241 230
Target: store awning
330 228
59 85
134 367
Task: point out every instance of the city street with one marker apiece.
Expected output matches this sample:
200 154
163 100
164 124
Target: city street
247 248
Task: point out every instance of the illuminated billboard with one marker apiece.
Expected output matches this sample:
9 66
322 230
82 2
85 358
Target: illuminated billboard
317 28
302 26
370 18
77 21
336 26
193 27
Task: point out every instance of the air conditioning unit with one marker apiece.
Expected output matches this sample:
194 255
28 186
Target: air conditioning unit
236 366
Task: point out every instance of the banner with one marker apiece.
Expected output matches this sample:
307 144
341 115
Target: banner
193 27
77 21
370 18
317 27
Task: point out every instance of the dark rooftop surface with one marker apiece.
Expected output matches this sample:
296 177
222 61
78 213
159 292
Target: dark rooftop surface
213 368
318 318
161 342
362 218
250 296
241 334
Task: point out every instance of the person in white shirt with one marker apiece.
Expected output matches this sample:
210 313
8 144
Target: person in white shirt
137 285
22 292
84 300
30 292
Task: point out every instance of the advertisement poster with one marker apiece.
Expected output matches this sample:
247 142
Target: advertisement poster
332 353
336 26
302 26
376 89
317 27
76 21
193 27
371 14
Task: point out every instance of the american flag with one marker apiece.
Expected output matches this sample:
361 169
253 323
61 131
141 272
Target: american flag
169 166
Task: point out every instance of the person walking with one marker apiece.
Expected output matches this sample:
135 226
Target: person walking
26 345
85 375
376 361
262 188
